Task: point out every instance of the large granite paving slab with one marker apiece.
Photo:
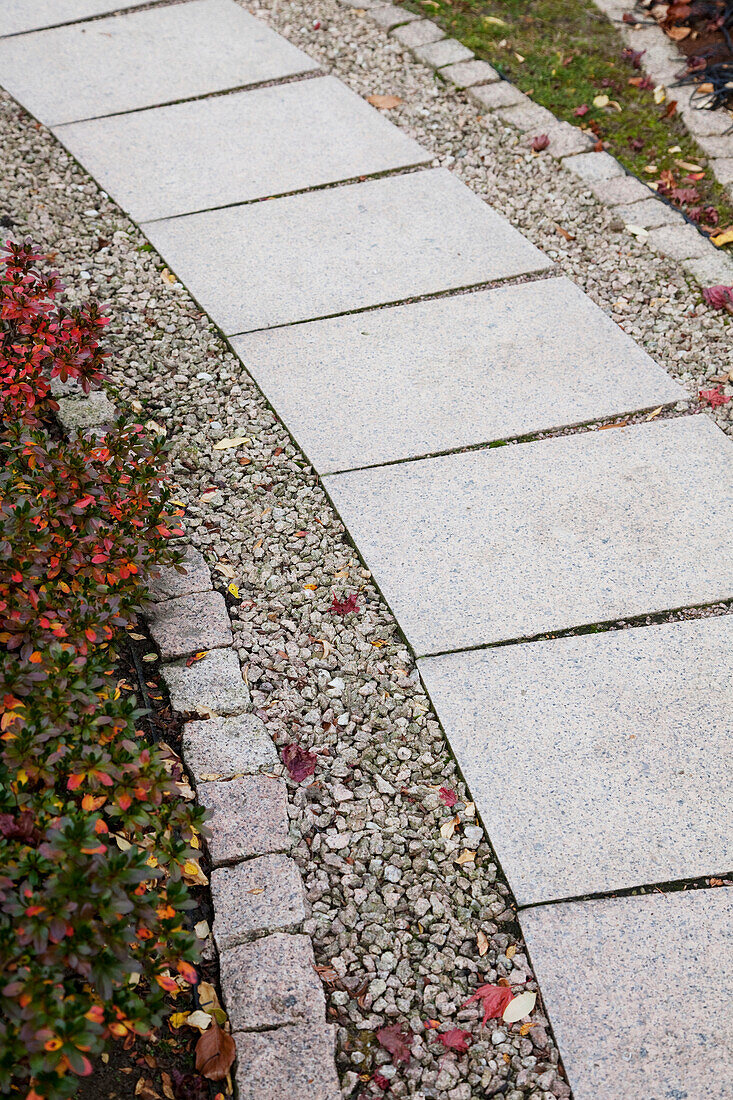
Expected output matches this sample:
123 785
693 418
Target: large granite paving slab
235 148
17 16
638 993
597 762
342 249
143 59
515 541
450 372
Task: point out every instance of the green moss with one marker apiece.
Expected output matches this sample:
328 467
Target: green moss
570 53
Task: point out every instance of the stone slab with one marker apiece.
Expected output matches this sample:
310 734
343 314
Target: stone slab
638 993
287 1063
448 51
679 242
238 147
450 372
326 252
221 748
418 33
188 624
170 583
648 214
179 51
249 817
516 541
212 686
92 410
611 746
390 15
594 167
464 74
262 895
18 16
501 94
272 982
621 189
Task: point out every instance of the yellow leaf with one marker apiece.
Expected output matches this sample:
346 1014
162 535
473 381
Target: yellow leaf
310 587
651 169
233 441
659 94
726 237
233 590
519 58
493 21
511 951
655 413
178 1019
601 101
482 943
168 276
378 643
466 856
384 102
193 874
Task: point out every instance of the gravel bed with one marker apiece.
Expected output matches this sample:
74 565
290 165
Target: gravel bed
394 917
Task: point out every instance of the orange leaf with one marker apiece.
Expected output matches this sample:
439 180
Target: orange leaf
385 102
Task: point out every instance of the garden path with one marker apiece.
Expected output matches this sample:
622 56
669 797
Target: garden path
395 322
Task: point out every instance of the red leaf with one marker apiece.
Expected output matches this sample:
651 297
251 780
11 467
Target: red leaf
493 998
719 297
299 762
582 110
396 1041
215 1053
540 142
455 1039
448 797
343 607
381 1082
713 398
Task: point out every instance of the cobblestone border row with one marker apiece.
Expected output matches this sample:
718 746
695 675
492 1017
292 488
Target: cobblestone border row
642 212
273 995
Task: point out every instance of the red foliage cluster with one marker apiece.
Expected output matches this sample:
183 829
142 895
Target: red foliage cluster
93 834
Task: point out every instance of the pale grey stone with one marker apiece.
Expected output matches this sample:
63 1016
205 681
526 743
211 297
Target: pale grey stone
418 33
287 1063
567 140
592 167
711 270
622 735
92 410
508 543
361 3
464 74
678 242
716 145
649 214
249 817
17 16
636 989
446 52
500 94
188 624
272 982
170 583
234 148
180 51
723 168
325 252
389 15
621 189
450 373
222 748
701 121
528 116
212 686
264 894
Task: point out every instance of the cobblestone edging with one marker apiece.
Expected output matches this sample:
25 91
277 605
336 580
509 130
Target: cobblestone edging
662 61
643 213
272 993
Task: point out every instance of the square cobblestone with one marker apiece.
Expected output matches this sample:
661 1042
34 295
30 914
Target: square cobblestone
272 981
289 1063
390 15
418 33
262 895
636 990
188 624
466 73
492 96
341 249
249 817
221 748
445 52
512 542
594 167
180 51
171 584
212 686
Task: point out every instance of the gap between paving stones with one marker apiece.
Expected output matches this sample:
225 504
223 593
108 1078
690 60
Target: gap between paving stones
489 90
272 977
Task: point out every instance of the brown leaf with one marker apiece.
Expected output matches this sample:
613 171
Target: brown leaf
145 1091
215 1053
167 1086
678 33
384 102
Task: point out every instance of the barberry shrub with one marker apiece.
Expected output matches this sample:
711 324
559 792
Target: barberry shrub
93 831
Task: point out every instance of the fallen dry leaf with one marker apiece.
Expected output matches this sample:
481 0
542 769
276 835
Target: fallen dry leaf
455 1039
493 999
725 236
208 999
466 856
145 1091
384 102
215 1053
193 874
396 1041
199 1019
231 442
448 828
167 1086
299 762
225 569
482 942
448 797
519 1006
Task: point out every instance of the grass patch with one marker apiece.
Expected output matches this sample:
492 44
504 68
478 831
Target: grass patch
565 53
